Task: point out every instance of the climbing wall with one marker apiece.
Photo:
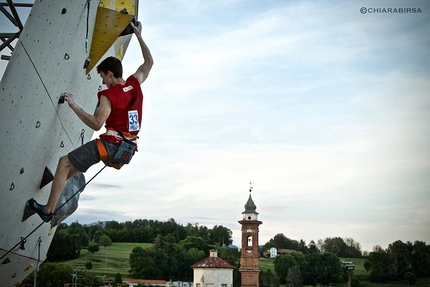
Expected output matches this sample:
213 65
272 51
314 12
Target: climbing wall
35 129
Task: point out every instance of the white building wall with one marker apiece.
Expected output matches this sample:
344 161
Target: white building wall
213 277
273 252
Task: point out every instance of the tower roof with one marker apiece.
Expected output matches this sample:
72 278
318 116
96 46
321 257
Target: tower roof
250 206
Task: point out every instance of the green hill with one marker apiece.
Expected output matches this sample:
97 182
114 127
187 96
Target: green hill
108 261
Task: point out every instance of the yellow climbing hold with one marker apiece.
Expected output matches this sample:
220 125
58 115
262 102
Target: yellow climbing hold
112 18
29 267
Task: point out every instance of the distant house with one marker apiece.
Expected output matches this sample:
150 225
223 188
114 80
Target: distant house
133 282
275 252
213 272
179 284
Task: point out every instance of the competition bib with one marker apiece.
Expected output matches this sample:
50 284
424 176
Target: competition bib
133 121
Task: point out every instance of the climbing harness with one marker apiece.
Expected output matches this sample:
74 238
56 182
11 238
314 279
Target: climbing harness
24 239
125 151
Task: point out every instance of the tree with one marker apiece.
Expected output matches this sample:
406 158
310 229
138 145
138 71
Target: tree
410 277
268 279
54 274
89 265
220 235
142 264
118 279
64 246
97 234
420 259
377 265
322 269
78 229
194 242
310 272
231 255
331 269
89 280
93 247
312 247
283 264
399 256
105 241
294 277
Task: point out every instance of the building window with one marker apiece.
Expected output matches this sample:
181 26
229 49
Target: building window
223 285
197 284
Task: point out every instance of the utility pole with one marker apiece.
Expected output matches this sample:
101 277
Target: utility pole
349 266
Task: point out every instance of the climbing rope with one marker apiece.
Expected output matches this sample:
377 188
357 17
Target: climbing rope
24 239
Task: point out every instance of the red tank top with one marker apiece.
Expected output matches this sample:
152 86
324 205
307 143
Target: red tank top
126 113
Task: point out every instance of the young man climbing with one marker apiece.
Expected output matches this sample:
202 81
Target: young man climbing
120 107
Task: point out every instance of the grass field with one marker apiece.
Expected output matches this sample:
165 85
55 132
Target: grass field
108 261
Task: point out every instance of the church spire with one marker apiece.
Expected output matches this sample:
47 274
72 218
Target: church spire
250 212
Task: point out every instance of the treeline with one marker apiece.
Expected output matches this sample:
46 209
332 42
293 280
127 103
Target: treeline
144 230
69 240
167 259
298 269
176 247
400 261
341 247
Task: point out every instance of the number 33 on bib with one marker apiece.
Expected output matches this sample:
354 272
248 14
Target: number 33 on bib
133 121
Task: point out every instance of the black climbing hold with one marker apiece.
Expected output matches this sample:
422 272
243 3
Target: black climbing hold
47 177
21 245
12 186
21 171
87 62
6 261
38 124
128 30
62 98
64 11
28 211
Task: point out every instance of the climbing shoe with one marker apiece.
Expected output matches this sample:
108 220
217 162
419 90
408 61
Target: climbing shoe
40 210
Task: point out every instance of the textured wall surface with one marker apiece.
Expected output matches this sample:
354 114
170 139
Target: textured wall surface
35 130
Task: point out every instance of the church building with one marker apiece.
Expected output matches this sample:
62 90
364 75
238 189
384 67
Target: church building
213 272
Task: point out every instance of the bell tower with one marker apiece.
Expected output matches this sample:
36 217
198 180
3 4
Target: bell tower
249 259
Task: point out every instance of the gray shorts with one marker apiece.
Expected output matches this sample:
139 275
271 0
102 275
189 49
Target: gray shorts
87 155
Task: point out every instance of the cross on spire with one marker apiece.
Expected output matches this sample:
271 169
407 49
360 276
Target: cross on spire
250 186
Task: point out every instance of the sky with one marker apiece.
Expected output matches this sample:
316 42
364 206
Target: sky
323 107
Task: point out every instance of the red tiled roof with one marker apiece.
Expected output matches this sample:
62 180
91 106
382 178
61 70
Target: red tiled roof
145 281
213 262
286 250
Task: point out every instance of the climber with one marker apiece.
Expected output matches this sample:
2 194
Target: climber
120 109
